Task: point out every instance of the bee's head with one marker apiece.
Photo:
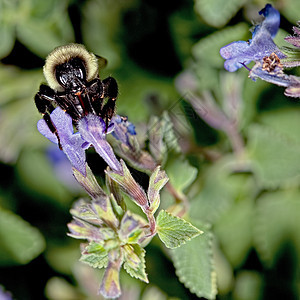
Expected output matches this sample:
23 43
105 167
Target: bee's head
69 67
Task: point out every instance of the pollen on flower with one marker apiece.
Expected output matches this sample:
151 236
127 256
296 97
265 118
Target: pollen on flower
270 63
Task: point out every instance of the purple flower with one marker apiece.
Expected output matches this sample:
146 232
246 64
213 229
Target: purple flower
91 131
72 143
294 40
4 295
122 129
241 53
62 167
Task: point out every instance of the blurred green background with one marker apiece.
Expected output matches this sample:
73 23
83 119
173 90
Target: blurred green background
159 51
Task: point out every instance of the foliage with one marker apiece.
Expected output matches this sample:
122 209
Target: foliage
203 201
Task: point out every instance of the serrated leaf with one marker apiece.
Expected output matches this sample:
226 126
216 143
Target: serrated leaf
194 266
277 222
19 241
174 231
181 173
218 12
95 255
134 261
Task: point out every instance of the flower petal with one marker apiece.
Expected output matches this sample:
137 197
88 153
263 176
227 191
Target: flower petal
122 129
72 143
238 54
92 130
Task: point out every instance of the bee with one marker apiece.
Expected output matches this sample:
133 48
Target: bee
72 74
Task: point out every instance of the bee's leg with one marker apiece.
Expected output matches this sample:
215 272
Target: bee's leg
95 96
110 88
44 105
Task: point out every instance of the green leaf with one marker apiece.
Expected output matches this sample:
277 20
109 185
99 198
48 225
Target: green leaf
7 38
16 132
174 231
277 223
274 148
106 19
218 12
290 10
36 173
194 266
181 173
215 196
134 261
19 241
45 26
60 288
234 231
95 256
248 285
62 257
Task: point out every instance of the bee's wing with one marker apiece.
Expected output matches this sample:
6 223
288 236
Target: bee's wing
102 62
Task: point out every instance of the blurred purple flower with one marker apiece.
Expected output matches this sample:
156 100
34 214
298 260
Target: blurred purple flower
122 129
241 53
4 295
294 40
62 168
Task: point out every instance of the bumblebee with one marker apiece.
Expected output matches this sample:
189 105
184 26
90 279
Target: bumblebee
72 74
